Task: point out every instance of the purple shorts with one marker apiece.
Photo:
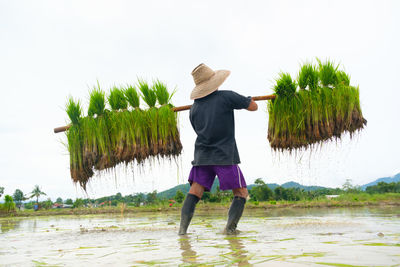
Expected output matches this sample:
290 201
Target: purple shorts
229 176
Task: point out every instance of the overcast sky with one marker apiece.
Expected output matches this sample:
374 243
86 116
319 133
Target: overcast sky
50 50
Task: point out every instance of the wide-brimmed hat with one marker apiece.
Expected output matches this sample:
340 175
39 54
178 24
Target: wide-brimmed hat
207 80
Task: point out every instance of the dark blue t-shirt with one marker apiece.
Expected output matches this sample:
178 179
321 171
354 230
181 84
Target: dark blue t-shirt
213 121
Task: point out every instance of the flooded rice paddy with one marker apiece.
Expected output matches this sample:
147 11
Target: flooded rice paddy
280 237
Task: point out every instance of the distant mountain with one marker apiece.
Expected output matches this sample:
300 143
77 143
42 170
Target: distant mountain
170 193
393 179
305 187
291 185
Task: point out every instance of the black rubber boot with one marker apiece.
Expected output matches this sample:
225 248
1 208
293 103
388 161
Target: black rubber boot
187 212
234 214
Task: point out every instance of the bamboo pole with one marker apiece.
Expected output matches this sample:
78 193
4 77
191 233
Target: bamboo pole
175 109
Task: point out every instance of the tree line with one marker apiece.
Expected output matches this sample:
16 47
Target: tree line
16 200
258 193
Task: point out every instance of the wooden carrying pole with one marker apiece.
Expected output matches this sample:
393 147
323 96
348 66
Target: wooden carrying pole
176 109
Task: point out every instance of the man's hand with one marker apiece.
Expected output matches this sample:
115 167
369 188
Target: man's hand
253 106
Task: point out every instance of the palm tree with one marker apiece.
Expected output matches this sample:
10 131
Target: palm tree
36 192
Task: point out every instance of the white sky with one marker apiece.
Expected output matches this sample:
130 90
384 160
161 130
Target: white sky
52 49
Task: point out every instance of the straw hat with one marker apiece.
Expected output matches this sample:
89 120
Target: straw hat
207 80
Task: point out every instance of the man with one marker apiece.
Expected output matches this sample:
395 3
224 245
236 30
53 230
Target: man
215 153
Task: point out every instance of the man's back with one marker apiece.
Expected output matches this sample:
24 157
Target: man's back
212 119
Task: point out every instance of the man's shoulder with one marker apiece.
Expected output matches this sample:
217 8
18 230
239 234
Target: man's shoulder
225 92
225 95
235 100
217 94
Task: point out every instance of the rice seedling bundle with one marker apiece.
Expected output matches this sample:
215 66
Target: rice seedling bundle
320 105
125 133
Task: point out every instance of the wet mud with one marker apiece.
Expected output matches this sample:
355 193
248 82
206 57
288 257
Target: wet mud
293 237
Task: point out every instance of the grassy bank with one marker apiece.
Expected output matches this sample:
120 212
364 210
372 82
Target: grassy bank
346 200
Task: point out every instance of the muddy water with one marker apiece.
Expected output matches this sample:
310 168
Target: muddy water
292 237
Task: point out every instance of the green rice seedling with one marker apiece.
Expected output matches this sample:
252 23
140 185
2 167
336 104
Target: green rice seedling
75 151
166 122
74 110
286 123
355 118
163 96
97 103
169 143
106 158
148 94
152 123
167 132
283 130
117 99
97 143
315 109
325 120
80 171
129 136
305 116
308 76
124 152
327 73
343 78
89 148
132 96
135 137
140 132
285 86
163 129
341 98
116 134
347 114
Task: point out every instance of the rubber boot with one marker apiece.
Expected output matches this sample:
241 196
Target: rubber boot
187 212
234 214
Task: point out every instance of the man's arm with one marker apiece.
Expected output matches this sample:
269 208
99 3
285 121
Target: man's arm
253 106
237 101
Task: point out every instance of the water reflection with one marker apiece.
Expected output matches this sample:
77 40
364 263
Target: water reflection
7 225
188 254
34 226
239 253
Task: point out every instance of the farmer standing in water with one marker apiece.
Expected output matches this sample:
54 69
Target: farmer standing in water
215 152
